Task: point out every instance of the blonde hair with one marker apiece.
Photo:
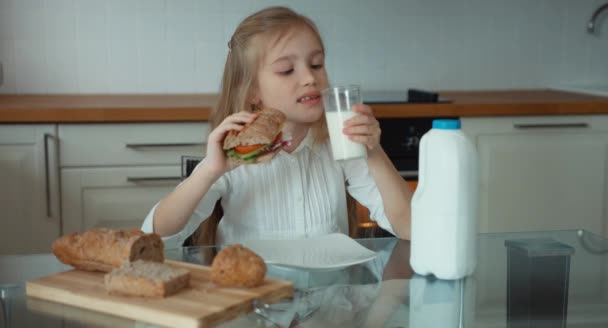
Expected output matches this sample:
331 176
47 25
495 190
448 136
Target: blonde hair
243 59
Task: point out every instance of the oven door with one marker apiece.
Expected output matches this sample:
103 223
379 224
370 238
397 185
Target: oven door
400 139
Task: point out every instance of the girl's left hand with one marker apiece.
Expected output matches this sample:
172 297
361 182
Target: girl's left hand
363 128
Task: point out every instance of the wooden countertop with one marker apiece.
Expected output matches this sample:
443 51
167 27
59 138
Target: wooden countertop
175 108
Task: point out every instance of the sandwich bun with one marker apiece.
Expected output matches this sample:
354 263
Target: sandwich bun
263 131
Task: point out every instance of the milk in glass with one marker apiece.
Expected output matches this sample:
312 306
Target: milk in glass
338 102
342 147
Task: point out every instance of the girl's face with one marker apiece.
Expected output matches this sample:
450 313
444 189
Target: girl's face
292 75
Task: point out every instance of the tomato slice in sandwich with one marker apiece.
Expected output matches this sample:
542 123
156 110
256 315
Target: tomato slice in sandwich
251 148
247 149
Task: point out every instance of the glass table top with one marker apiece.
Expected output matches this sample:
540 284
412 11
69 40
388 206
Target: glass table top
527 279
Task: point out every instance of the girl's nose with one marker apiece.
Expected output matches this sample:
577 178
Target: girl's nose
307 77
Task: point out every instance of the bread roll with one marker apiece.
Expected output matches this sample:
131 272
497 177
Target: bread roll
237 266
105 249
148 279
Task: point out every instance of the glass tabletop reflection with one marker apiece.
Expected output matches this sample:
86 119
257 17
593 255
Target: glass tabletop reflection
526 279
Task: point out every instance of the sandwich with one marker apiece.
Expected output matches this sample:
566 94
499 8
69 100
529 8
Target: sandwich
258 141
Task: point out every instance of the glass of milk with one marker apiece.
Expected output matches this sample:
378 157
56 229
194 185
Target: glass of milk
338 102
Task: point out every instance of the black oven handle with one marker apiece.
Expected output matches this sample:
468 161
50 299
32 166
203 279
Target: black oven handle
409 174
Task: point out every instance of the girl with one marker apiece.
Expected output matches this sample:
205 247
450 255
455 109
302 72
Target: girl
276 59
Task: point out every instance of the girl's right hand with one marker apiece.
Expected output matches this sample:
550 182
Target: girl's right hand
216 160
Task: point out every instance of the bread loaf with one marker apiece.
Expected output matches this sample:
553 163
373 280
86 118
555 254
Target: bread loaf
105 249
237 266
148 279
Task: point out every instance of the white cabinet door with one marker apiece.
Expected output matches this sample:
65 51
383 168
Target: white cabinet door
541 173
29 188
113 197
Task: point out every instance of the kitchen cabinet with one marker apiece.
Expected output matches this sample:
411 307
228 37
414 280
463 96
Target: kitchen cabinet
112 174
29 192
541 172
113 197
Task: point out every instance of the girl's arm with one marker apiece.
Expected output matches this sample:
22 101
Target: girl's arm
174 211
396 194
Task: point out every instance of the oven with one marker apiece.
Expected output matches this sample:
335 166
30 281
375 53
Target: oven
400 140
401 136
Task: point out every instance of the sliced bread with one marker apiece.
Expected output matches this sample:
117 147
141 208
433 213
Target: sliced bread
145 278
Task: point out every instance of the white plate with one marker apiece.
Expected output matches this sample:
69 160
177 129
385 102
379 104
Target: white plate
327 252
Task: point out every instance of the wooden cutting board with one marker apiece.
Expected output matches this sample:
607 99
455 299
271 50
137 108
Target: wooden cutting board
201 305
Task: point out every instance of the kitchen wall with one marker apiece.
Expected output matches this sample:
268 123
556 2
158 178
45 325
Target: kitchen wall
179 46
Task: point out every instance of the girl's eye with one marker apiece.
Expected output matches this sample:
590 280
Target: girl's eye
286 72
319 66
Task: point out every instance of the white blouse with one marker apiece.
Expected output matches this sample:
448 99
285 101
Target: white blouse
293 196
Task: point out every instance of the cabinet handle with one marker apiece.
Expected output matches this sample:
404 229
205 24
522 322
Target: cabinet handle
149 179
47 181
156 145
551 126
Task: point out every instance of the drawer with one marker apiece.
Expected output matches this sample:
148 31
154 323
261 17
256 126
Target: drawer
130 144
116 197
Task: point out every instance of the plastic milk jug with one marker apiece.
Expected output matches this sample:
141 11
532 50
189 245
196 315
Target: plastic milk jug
445 203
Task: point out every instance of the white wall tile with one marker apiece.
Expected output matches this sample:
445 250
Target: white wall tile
229 25
180 45
209 27
121 21
6 6
551 39
123 68
7 21
153 62
31 67
7 57
27 5
62 76
345 63
372 66
114 6
346 30
182 67
325 25
346 8
182 25
92 59
599 66
311 8
151 5
60 5
29 24
151 25
210 61
91 20
60 20
453 70
238 6
575 48
181 6
209 7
